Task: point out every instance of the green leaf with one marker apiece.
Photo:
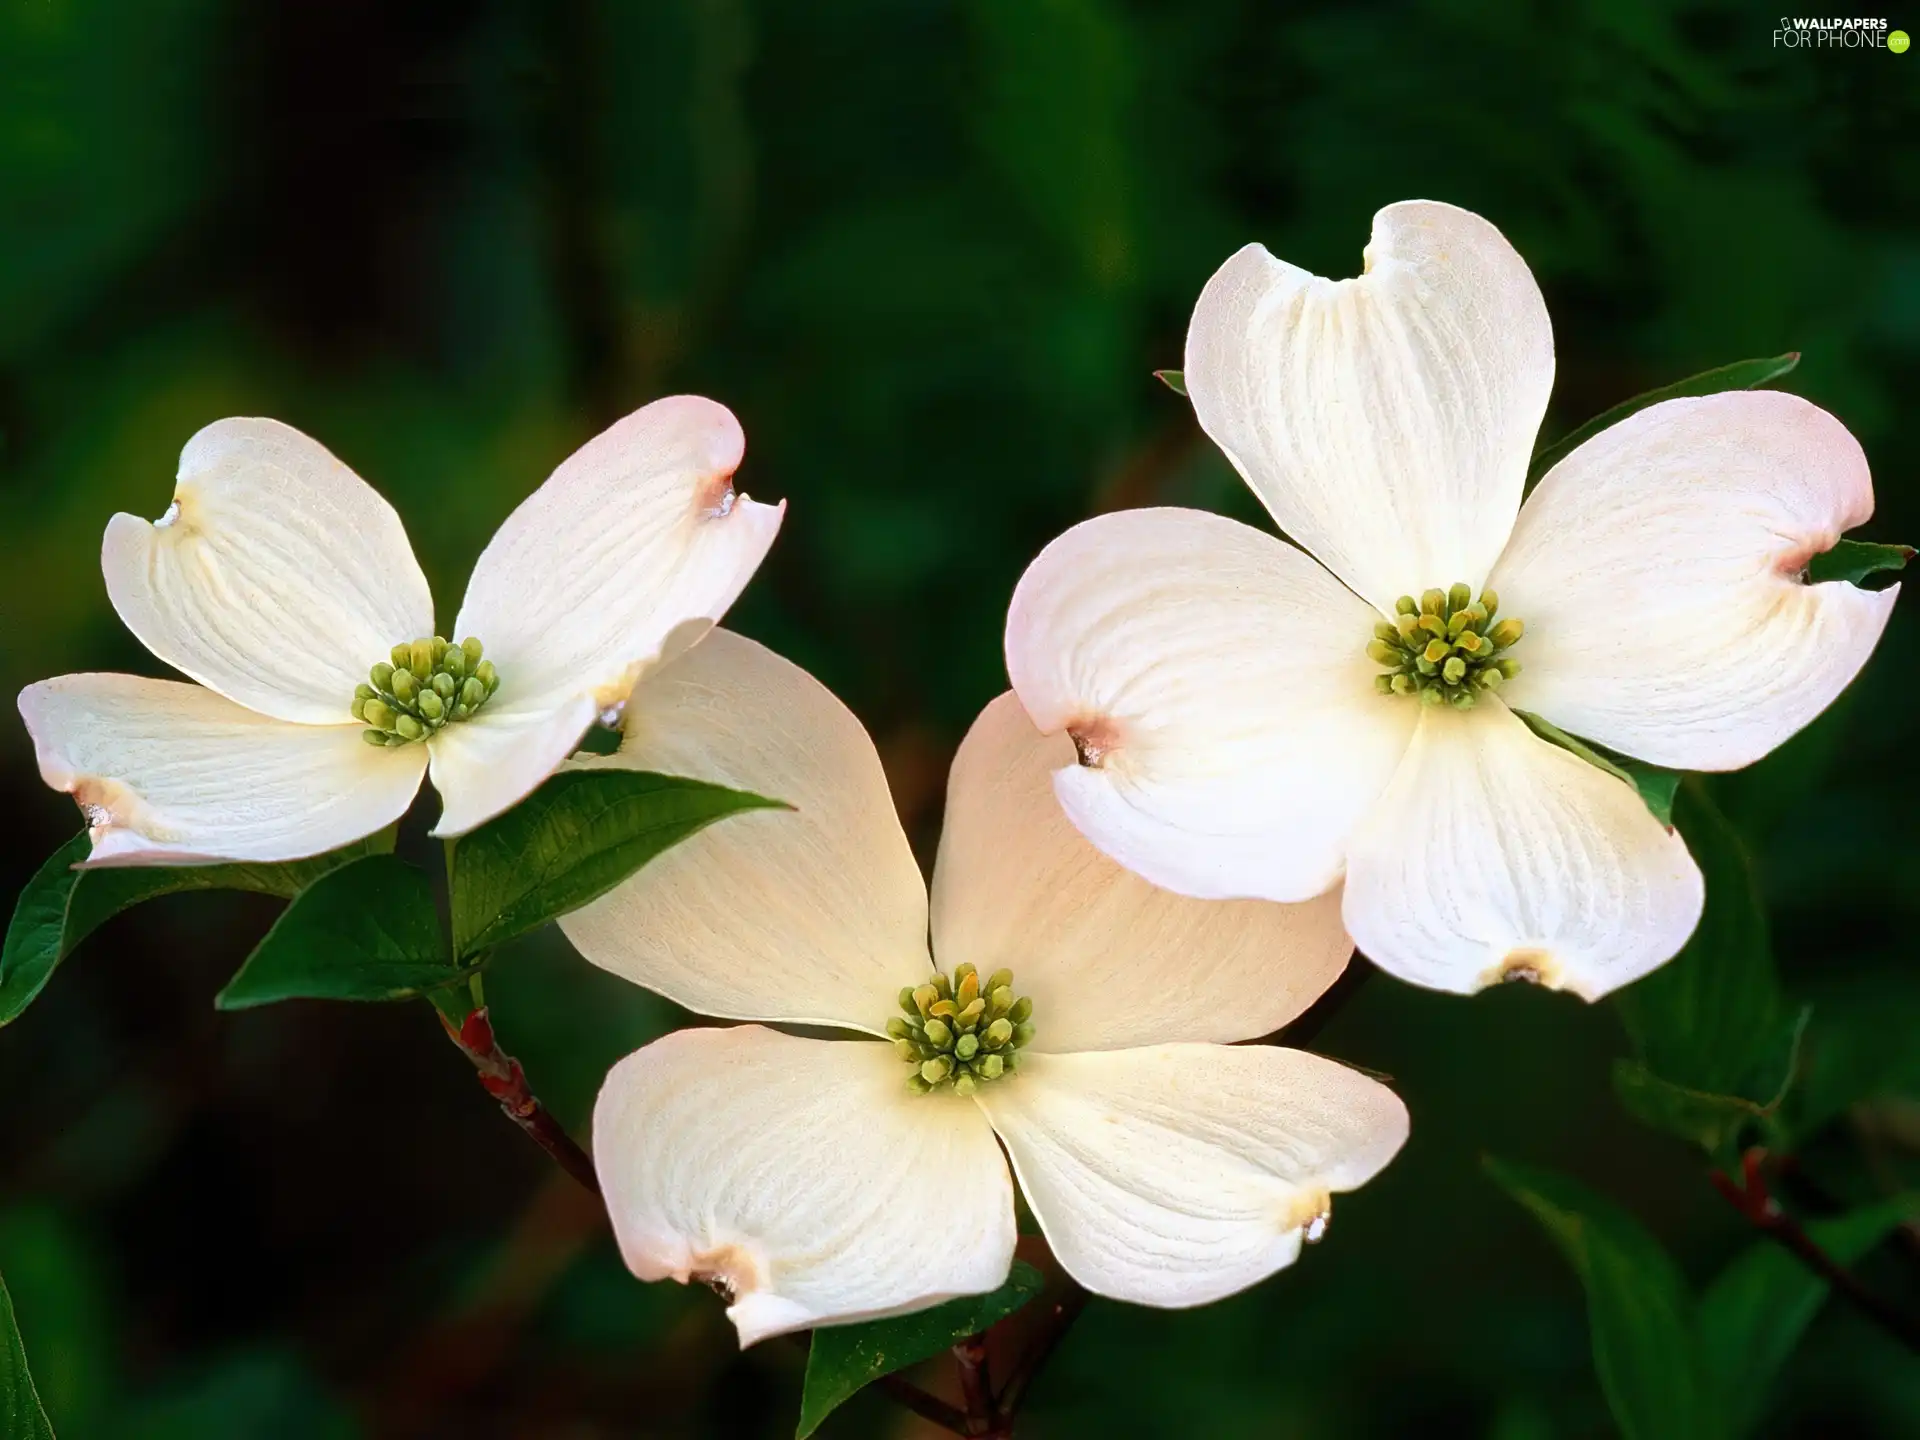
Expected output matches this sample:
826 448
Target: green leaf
1854 560
1638 1307
1741 375
1859 1047
1174 380
1713 1018
367 931
1656 787
1754 1314
21 1414
1712 1121
62 905
571 841
846 1358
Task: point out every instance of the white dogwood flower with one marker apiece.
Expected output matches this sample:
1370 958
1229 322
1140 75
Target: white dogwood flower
285 585
1080 1015
1253 723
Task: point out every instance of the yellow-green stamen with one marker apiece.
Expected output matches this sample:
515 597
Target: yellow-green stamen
1445 647
421 686
961 1033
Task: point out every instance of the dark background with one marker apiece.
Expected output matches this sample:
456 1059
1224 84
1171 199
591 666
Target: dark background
929 253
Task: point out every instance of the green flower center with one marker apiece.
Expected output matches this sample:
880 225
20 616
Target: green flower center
1445 647
423 685
961 1033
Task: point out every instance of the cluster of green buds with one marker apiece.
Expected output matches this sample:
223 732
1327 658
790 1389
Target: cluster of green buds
1445 647
961 1032
423 685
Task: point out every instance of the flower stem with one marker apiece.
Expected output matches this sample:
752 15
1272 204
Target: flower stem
976 1387
1060 1317
1749 1195
928 1407
503 1079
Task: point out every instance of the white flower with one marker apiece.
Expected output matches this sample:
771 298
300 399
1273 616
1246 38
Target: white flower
1233 736
804 1176
281 581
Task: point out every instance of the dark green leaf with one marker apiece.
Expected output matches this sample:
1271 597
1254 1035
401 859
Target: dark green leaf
1656 787
1854 560
846 1358
367 931
1174 380
1713 1019
21 1415
1638 1306
1741 375
571 841
1753 1315
61 905
1859 1046
1712 1121
63 1301
1715 1121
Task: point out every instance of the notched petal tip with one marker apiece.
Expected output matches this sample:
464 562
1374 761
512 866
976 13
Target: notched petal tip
1308 1211
1094 739
1532 967
731 1271
715 498
719 444
106 804
739 1275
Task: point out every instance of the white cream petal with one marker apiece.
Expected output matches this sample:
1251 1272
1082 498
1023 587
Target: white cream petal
1386 421
1497 856
1658 569
493 761
278 577
802 1176
1107 959
173 774
1178 1174
814 914
636 534
1218 683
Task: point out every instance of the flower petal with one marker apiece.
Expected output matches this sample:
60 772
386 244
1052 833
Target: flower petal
1659 570
801 1176
637 532
502 755
1178 1174
277 577
172 774
1386 421
1496 856
1217 684
817 914
1107 959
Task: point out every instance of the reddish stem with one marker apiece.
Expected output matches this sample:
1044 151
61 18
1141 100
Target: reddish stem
1046 1340
503 1079
903 1391
976 1388
1749 1195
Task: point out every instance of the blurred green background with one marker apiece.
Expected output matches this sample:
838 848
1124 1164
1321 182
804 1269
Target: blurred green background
929 252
